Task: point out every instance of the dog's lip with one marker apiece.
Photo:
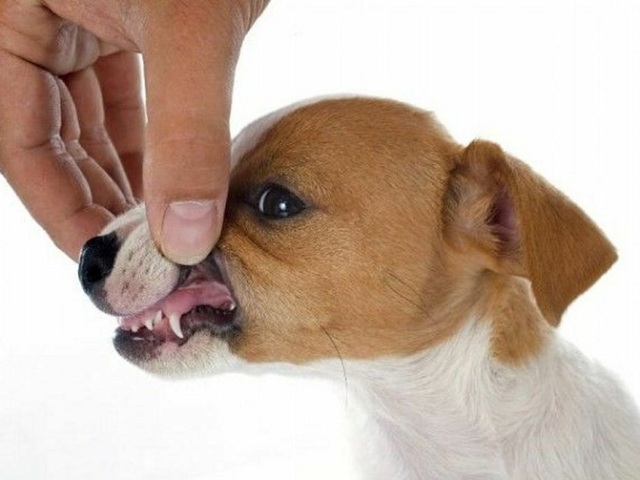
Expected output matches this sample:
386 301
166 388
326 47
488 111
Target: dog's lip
202 290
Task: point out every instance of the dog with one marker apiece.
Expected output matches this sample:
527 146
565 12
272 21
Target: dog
361 242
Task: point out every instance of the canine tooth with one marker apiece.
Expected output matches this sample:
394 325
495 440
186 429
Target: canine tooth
158 318
174 322
149 323
135 328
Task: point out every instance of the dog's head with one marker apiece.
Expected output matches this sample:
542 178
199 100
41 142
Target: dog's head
355 228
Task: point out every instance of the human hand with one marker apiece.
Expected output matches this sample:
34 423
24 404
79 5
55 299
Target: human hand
72 119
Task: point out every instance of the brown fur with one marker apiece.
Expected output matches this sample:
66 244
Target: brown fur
555 245
397 246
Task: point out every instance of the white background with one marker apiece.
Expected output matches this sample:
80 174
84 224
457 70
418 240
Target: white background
555 82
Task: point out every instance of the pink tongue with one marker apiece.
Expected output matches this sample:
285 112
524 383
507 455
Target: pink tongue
185 299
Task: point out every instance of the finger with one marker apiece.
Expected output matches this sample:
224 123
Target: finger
104 189
186 171
120 79
94 139
33 32
35 162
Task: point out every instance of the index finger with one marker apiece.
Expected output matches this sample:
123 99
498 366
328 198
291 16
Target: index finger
34 160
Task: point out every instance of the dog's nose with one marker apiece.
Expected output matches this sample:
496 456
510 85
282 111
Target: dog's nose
96 261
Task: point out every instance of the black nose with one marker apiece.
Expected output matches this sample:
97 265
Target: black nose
96 261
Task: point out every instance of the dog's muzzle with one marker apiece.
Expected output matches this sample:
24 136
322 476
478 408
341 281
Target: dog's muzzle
200 300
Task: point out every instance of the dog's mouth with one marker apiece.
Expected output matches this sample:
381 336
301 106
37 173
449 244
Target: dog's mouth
202 300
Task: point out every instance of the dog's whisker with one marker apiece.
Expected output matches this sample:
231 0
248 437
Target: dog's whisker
344 368
412 301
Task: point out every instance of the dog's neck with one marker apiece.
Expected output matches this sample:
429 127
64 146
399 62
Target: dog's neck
455 411
430 414
411 409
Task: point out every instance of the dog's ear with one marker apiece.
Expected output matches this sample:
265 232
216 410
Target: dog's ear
523 226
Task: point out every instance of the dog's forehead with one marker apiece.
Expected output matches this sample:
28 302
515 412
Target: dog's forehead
347 125
250 136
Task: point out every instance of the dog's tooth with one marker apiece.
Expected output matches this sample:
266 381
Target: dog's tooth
174 322
230 306
135 328
158 318
149 323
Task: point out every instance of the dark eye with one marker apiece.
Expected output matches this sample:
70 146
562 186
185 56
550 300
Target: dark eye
278 202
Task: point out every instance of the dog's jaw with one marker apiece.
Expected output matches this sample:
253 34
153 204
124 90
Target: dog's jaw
173 320
142 290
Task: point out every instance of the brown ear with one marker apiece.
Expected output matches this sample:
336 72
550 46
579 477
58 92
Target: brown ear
529 227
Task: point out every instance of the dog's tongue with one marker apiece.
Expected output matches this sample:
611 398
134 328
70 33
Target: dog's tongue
181 301
173 306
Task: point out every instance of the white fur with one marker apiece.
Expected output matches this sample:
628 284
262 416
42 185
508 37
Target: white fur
452 412
141 275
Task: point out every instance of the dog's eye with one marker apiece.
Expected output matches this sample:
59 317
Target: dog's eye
278 202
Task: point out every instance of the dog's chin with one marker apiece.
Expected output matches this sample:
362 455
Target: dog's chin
202 354
188 330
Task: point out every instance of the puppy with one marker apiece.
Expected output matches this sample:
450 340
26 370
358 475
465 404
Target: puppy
363 243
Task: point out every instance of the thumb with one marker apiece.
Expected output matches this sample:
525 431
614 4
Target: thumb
190 57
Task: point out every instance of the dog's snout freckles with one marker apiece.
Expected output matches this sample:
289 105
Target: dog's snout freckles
122 271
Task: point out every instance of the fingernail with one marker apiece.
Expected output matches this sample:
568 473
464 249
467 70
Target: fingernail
189 231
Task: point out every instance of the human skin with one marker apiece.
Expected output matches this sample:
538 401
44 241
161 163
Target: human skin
74 141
